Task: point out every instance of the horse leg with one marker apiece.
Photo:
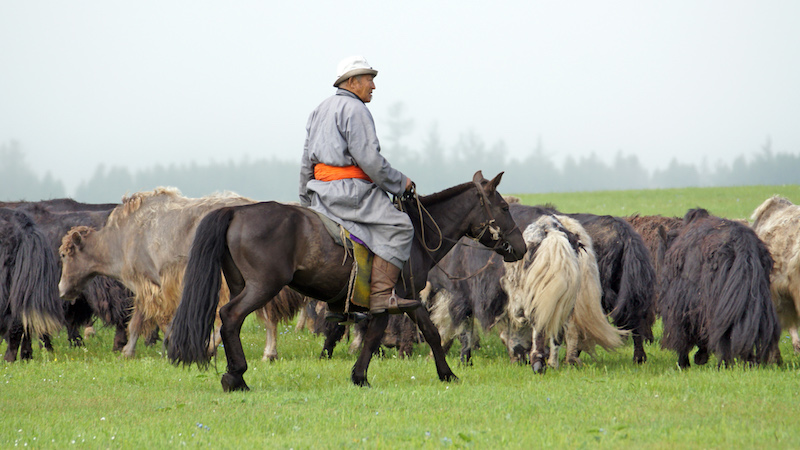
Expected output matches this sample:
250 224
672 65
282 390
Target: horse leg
421 317
232 316
537 353
372 341
271 340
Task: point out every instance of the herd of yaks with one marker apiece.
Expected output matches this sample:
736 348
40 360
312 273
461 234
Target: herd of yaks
723 286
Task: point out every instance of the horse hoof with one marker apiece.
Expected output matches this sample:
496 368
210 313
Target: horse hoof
361 382
232 383
538 367
449 378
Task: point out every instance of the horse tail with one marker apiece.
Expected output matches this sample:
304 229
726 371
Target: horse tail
589 318
33 294
743 318
543 286
635 309
190 331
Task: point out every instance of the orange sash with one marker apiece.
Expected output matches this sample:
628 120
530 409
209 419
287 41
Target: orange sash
324 172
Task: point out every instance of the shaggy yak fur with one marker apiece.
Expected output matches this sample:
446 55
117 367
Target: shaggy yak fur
715 294
627 276
556 286
777 223
466 287
144 244
648 227
103 297
29 303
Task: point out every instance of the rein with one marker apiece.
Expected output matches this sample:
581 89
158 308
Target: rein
489 225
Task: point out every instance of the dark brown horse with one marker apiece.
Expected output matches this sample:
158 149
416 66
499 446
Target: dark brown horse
263 247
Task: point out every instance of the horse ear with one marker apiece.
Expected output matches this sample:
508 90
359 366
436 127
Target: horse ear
478 177
495 181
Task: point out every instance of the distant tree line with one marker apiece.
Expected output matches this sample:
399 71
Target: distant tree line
431 166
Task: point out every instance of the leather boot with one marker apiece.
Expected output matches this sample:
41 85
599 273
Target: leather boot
382 297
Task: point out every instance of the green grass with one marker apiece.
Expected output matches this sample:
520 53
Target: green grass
732 202
89 397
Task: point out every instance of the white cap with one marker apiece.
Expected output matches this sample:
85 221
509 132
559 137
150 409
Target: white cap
352 66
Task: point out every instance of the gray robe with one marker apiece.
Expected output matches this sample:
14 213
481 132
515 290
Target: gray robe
341 132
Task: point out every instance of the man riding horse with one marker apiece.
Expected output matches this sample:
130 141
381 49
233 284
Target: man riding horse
344 176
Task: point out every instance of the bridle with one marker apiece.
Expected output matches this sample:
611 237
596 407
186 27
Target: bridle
490 225
476 234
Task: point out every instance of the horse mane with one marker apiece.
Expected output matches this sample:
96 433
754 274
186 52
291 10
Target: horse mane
446 194
68 241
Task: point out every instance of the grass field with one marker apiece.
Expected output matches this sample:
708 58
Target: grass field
89 397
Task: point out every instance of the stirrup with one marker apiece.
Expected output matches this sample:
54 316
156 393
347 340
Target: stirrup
345 318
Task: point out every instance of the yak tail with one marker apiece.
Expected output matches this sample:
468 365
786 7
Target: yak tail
635 307
543 289
744 317
190 332
589 319
33 294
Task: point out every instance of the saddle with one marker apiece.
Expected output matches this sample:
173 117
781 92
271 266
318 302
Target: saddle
358 289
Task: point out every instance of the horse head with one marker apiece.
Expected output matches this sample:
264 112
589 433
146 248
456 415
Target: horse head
494 227
76 269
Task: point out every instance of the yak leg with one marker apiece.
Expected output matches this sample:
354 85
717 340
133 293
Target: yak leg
639 356
333 334
552 360
301 320
537 352
421 317
795 338
573 341
14 339
372 341
701 357
357 333
120 337
271 340
134 328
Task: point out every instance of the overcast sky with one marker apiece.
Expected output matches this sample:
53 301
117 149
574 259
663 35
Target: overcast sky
139 83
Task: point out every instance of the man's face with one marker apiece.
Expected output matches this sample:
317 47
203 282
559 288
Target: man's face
362 86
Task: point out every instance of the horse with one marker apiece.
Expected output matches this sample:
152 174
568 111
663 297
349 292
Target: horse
144 243
777 222
29 302
715 294
263 247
